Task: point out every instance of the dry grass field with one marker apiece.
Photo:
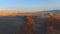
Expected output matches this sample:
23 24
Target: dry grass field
29 26
53 24
12 20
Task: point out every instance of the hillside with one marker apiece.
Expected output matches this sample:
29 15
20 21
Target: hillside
16 12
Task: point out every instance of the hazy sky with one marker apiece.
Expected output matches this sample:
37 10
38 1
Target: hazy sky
30 5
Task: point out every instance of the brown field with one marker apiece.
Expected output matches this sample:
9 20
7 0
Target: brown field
53 22
29 26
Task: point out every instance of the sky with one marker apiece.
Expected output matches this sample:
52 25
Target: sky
30 5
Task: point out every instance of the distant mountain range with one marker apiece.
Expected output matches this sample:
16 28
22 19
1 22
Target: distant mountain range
55 10
52 11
